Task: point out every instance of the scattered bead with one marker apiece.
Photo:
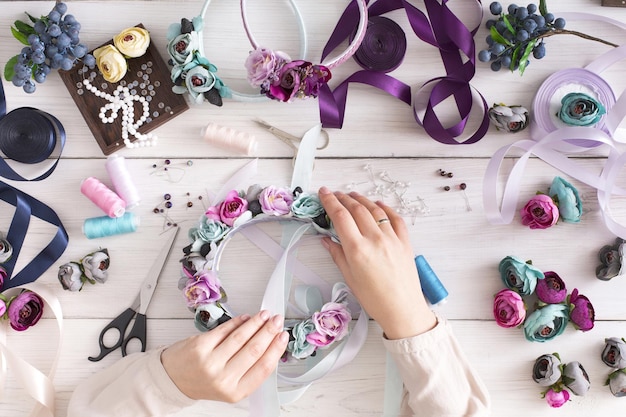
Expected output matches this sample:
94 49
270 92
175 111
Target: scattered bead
462 186
168 204
446 188
167 197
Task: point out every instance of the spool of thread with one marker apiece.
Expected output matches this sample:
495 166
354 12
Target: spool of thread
104 226
122 180
103 197
229 139
433 289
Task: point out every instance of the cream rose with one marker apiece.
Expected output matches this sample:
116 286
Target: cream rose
132 42
111 63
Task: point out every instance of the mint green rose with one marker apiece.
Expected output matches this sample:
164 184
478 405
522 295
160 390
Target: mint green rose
207 231
566 197
578 109
299 347
307 206
546 323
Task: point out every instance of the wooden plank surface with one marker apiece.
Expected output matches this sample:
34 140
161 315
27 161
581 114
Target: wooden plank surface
461 245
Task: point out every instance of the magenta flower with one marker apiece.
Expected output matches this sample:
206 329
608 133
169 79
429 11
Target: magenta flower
3 307
288 83
508 309
551 289
331 323
203 289
228 210
581 313
556 399
25 310
540 212
276 201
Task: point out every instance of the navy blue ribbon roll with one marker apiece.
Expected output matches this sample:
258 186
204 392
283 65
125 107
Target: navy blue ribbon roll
29 136
26 207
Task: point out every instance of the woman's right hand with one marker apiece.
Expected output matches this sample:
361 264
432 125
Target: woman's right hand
377 262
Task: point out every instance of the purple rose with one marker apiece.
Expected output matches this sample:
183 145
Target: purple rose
581 313
508 309
276 201
3 276
331 323
228 210
25 310
540 212
261 65
203 289
315 77
551 289
3 307
556 399
288 84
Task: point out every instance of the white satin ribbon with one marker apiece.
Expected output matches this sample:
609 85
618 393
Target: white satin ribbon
38 385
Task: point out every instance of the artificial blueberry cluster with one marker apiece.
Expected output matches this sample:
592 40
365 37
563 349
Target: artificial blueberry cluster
52 42
517 34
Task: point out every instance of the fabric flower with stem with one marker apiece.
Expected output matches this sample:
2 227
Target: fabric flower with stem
92 268
611 260
548 371
520 32
614 356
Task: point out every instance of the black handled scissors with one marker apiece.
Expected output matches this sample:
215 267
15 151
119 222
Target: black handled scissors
137 310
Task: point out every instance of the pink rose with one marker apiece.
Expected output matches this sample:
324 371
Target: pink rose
540 212
556 399
331 323
508 309
203 289
228 210
261 65
25 310
276 201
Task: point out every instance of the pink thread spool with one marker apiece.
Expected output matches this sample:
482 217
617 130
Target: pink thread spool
229 139
103 197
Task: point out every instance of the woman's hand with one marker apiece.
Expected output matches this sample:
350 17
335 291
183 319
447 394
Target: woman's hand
377 262
229 362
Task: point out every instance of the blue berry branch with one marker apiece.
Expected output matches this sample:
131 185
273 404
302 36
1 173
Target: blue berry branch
516 35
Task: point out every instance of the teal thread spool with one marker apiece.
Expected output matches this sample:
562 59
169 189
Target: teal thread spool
104 226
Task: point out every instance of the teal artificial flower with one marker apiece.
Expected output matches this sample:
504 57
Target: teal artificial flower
566 197
307 206
208 231
579 109
299 347
546 323
518 275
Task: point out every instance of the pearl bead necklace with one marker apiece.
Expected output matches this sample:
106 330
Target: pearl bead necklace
122 99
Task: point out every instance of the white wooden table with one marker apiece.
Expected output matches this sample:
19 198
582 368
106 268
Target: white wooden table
461 245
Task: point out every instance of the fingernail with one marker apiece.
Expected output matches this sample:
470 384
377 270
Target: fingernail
326 243
265 315
283 337
278 321
245 317
324 190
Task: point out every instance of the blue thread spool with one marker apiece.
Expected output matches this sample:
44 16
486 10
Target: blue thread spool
104 226
433 289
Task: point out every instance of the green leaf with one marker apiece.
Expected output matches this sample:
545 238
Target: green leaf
8 68
515 56
497 37
524 58
19 36
508 24
31 17
24 28
543 8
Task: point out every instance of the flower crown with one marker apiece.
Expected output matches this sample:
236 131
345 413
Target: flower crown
203 289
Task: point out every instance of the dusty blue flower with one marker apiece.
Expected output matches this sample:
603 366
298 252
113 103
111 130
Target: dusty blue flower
208 231
617 383
299 347
307 206
508 118
610 257
6 250
71 276
96 266
181 47
566 197
546 323
518 275
614 353
578 109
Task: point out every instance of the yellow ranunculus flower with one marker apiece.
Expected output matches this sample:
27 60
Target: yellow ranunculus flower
132 42
111 63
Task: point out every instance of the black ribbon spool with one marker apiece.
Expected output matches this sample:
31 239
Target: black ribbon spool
383 47
27 135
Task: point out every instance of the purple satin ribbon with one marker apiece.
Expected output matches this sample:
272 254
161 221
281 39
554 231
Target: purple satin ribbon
442 29
29 136
383 47
25 207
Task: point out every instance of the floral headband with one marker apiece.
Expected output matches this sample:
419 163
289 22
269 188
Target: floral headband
281 78
193 74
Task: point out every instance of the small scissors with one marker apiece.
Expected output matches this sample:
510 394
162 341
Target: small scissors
138 308
290 139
